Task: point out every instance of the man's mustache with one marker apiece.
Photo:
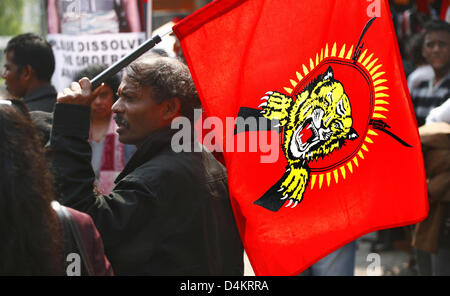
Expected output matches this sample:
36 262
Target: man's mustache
120 121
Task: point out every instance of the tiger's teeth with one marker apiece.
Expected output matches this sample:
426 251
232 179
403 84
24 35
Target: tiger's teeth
317 117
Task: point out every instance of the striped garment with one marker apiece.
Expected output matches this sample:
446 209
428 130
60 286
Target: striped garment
428 96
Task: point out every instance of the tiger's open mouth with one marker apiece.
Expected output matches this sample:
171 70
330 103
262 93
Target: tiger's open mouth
306 135
310 134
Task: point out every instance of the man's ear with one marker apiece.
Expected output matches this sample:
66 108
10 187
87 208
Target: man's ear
27 72
172 108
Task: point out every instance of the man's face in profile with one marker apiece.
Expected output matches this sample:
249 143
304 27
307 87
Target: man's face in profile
12 74
137 113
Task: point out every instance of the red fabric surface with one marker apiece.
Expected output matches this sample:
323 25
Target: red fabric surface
238 50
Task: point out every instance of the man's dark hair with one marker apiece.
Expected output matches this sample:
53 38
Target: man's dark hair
436 25
93 70
169 78
26 190
31 49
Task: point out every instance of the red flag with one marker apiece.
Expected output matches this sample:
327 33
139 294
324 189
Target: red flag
329 81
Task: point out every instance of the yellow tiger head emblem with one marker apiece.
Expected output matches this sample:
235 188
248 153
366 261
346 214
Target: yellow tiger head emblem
320 120
316 123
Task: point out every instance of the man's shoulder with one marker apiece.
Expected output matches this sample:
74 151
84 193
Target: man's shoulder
178 167
42 99
43 92
160 165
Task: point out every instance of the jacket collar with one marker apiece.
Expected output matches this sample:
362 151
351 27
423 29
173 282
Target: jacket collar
155 142
40 92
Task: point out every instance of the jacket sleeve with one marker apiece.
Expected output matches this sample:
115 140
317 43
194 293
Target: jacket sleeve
92 242
70 153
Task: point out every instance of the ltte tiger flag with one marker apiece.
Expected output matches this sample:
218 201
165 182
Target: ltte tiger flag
327 77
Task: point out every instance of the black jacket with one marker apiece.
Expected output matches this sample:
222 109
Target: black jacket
169 213
41 99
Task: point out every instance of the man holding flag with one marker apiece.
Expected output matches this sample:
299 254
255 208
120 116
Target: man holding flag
169 213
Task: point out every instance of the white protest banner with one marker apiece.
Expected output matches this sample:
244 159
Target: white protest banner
73 53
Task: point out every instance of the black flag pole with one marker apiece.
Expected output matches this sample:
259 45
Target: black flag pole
126 60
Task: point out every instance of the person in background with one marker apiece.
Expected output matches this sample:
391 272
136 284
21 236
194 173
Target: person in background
436 51
42 121
423 71
107 152
432 236
169 212
428 95
92 16
31 241
32 236
29 66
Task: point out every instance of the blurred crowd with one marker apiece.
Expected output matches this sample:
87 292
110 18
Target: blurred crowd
423 34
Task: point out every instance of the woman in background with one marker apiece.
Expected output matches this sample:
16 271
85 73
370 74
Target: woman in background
32 241
107 152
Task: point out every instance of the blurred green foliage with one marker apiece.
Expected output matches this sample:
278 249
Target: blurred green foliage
11 15
20 16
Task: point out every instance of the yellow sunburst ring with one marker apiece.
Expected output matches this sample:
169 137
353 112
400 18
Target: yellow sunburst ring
371 64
